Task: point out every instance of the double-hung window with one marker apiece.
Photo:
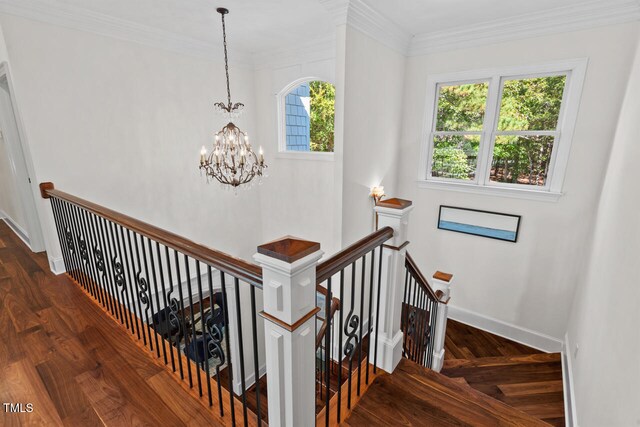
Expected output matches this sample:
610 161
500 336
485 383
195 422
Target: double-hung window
502 131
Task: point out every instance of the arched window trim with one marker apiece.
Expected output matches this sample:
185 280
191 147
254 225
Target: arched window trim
282 129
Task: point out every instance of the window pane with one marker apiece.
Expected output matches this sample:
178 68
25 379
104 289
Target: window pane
521 159
531 104
309 117
322 116
455 156
461 107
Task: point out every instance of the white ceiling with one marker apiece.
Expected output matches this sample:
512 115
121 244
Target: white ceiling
252 25
426 16
264 26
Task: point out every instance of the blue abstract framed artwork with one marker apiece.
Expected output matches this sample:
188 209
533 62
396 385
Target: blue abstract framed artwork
493 225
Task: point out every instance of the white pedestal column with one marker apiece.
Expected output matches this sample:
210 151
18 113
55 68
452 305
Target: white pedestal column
289 279
393 213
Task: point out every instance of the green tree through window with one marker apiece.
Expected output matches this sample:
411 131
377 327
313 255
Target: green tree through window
321 131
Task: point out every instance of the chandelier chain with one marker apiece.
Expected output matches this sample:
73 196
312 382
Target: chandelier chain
226 59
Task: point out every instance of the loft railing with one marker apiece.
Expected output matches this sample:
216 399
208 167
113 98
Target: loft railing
225 326
193 307
346 334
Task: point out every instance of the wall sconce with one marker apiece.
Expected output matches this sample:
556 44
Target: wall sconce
377 193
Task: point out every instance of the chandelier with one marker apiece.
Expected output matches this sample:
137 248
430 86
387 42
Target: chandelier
232 161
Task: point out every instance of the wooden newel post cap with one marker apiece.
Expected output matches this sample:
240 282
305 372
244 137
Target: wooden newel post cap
44 187
394 203
288 249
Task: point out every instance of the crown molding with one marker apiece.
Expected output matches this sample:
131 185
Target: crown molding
80 19
358 15
302 53
553 21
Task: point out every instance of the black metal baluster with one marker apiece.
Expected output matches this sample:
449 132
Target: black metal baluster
131 303
61 235
194 338
70 242
187 339
174 318
256 362
218 341
408 324
236 284
375 351
352 323
225 302
327 344
164 308
85 247
159 308
91 268
135 301
120 272
369 326
204 323
82 279
423 325
145 295
340 345
98 261
157 311
117 271
73 235
106 256
415 321
362 279
141 288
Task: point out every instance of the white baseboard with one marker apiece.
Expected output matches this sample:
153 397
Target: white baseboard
57 265
515 333
568 385
20 232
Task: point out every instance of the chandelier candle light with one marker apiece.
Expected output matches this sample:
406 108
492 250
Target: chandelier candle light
232 161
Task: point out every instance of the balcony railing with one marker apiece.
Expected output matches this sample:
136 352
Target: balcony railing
244 337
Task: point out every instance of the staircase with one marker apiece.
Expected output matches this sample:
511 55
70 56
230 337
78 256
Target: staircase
485 380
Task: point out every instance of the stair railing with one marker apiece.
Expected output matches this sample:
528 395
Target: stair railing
422 326
348 346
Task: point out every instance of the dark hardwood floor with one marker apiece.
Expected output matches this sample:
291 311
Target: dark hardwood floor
466 342
520 376
417 396
76 367
486 380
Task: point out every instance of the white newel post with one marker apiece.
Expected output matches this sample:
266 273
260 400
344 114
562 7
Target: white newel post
289 289
441 285
393 213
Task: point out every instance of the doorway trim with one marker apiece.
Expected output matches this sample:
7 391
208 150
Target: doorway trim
28 193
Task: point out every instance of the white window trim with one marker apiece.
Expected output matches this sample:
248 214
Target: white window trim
283 153
575 70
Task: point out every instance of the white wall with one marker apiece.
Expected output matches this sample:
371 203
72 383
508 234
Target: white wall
10 204
372 128
605 315
298 197
122 125
528 284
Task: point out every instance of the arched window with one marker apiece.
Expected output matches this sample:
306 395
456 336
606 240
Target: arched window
307 113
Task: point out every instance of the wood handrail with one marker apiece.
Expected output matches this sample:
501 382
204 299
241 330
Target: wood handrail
420 279
340 260
236 267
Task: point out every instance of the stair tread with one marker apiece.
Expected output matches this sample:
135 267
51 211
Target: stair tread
502 360
414 395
